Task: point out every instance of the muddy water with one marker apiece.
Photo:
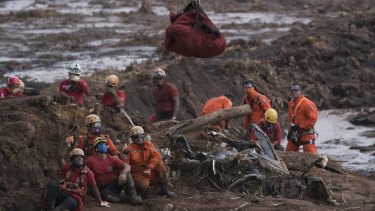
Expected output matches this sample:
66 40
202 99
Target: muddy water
25 38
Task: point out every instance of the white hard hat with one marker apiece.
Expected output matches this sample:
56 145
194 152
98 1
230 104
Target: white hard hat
75 69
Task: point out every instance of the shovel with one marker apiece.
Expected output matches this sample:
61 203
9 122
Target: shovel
128 117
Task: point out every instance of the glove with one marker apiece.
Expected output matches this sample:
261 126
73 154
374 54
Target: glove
294 128
147 172
112 91
69 140
121 179
104 204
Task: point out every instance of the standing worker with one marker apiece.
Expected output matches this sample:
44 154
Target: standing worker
271 127
258 103
166 97
303 115
112 175
75 86
218 103
14 88
113 97
147 166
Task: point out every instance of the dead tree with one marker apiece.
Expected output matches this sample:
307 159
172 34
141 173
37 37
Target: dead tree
146 7
213 117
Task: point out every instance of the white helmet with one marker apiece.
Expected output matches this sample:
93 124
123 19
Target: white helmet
75 69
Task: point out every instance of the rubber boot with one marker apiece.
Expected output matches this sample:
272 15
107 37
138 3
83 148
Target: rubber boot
165 190
134 199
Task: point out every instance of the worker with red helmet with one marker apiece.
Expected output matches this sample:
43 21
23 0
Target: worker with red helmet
14 88
113 97
75 86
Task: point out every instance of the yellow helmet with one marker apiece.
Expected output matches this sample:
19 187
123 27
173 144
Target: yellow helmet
136 130
76 151
271 115
99 140
112 80
92 118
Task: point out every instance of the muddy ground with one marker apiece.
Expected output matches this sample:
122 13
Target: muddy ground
333 56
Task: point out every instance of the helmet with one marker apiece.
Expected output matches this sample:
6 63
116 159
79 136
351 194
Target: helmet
13 80
92 118
271 115
159 72
22 85
112 80
76 151
99 140
75 69
136 130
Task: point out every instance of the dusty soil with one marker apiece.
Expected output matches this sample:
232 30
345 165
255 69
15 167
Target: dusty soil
333 56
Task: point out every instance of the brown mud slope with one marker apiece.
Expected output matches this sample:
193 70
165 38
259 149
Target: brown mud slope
333 57
41 123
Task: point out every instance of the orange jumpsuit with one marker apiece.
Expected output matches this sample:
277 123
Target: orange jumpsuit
259 105
145 157
214 104
304 113
89 150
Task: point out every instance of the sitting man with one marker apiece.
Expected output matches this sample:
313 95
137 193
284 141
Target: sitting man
112 175
71 192
147 166
94 128
75 86
271 127
215 104
113 97
15 88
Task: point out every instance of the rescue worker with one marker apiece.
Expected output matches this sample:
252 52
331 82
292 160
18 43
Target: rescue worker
113 97
215 104
303 115
75 86
94 130
71 192
166 97
15 88
259 104
271 127
147 166
112 175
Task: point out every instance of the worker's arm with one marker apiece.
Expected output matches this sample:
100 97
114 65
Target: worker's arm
176 106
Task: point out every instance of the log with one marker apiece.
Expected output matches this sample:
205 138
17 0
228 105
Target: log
213 117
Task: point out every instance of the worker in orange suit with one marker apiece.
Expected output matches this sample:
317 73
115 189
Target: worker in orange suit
303 115
215 104
147 166
259 104
94 130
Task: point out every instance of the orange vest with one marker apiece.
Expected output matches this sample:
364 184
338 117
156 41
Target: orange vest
141 157
215 104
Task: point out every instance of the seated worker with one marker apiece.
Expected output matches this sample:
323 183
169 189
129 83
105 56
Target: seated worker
271 127
70 193
147 166
75 86
215 104
15 88
94 130
167 101
112 175
113 97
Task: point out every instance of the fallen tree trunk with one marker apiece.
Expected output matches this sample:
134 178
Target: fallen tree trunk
213 117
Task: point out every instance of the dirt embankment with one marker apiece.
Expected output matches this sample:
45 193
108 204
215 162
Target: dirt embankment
332 57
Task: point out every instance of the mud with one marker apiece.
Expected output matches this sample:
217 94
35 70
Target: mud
332 56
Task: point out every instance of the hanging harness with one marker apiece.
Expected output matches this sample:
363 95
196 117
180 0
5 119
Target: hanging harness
76 187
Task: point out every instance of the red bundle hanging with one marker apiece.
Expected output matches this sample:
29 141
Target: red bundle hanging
193 34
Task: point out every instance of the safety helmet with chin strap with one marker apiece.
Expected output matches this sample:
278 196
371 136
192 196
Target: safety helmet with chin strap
75 69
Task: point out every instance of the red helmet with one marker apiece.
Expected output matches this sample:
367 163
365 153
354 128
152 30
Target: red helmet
13 80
